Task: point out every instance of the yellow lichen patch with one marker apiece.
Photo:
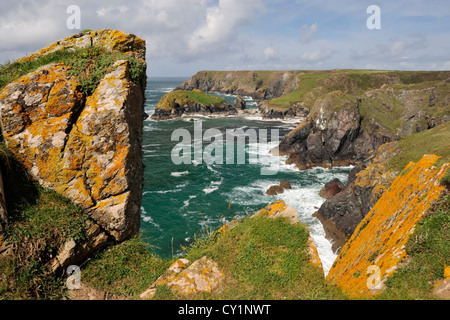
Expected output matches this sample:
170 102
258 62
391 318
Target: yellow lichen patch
273 208
376 248
314 254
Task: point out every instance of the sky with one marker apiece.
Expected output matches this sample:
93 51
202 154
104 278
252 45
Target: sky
186 36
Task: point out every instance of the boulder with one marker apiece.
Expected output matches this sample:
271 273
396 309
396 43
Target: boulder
331 188
277 189
202 275
274 190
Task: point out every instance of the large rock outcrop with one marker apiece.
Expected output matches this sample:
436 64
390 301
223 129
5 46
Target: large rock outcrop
344 127
180 102
378 242
88 149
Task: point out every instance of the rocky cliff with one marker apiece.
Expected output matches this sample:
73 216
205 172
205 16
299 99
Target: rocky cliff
341 213
345 126
260 85
83 144
376 248
181 102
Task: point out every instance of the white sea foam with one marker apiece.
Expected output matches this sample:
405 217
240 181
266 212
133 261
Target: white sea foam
213 186
179 174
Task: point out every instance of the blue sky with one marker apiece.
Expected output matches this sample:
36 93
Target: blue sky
184 37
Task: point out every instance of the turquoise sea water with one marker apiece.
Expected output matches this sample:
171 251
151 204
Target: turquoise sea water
184 201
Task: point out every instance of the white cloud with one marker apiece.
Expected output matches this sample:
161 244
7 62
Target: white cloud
308 32
316 56
221 25
269 53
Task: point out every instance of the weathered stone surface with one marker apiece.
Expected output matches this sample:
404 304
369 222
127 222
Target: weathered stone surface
112 40
380 238
202 275
168 276
277 209
442 289
89 152
314 254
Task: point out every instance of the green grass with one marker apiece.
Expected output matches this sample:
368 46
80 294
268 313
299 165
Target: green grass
428 250
35 233
413 147
89 65
261 259
126 269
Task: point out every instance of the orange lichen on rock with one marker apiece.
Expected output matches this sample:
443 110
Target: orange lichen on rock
376 247
314 254
111 40
279 208
87 151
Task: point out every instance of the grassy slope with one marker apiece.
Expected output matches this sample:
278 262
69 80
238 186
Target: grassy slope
261 258
344 80
40 221
434 141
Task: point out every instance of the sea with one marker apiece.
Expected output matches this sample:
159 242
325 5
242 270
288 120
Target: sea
185 201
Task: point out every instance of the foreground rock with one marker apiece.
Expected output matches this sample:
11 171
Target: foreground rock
88 149
379 241
202 275
177 103
89 153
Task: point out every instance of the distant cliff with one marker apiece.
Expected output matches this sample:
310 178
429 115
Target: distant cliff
75 122
351 114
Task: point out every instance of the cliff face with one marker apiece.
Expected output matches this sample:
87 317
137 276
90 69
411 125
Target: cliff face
85 148
379 240
341 213
179 102
344 128
259 85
